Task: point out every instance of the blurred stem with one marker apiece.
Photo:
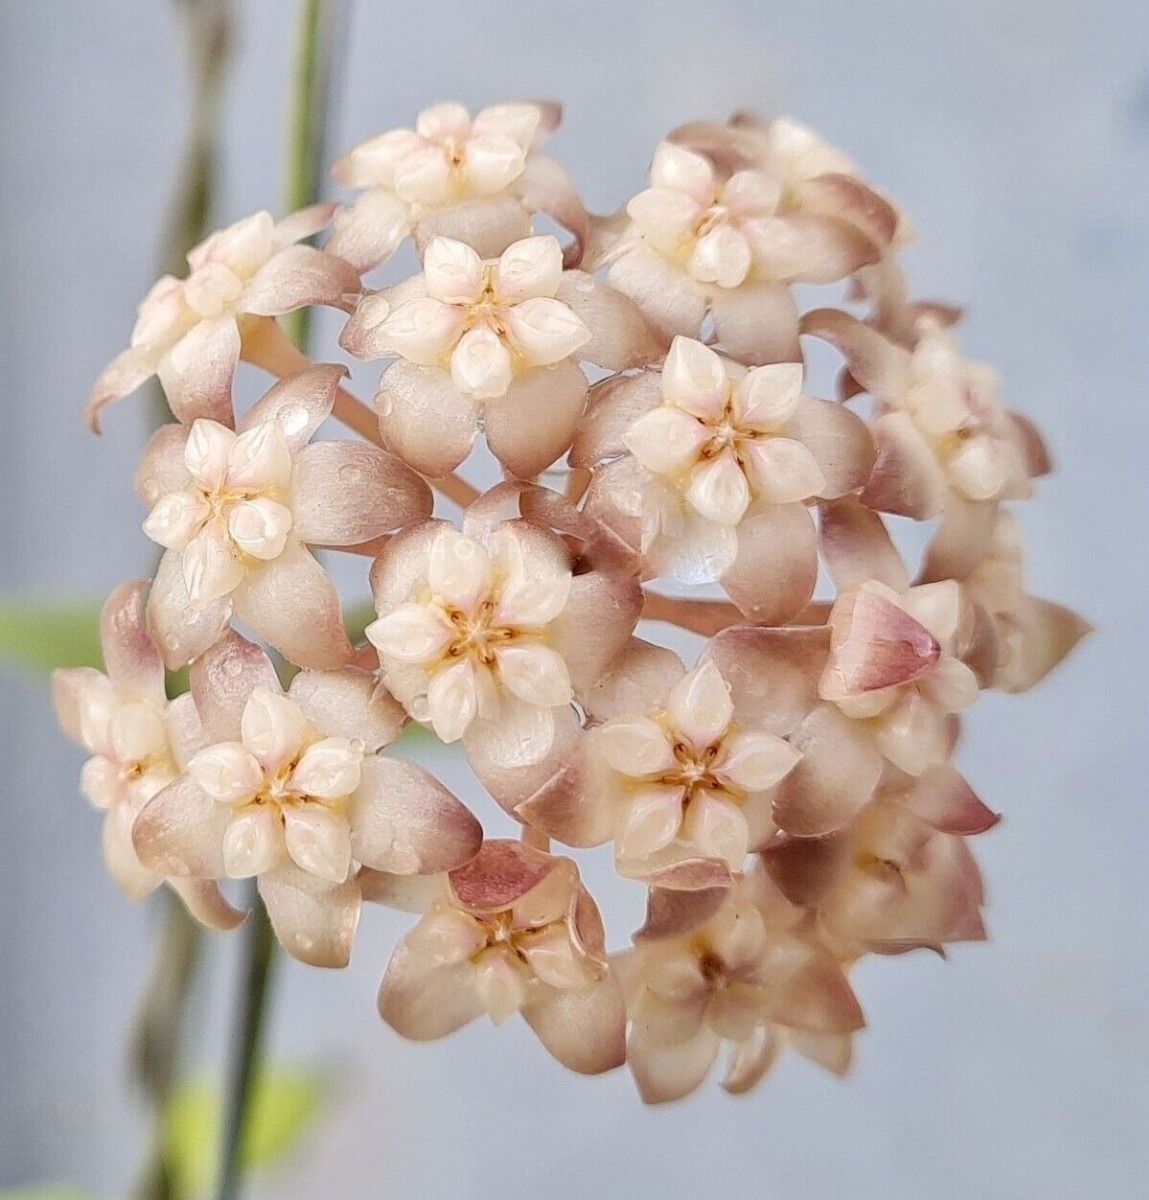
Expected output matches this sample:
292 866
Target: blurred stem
157 1044
318 31
318 27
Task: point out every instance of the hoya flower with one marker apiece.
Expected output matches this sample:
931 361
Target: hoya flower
741 977
711 467
237 510
898 877
497 340
892 667
486 635
514 931
477 179
290 789
704 241
190 331
138 741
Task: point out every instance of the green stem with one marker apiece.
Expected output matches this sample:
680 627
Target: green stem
255 985
318 28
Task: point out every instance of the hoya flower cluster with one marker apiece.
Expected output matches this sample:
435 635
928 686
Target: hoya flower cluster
788 799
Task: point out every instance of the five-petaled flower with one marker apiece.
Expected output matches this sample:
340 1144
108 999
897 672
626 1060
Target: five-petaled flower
290 789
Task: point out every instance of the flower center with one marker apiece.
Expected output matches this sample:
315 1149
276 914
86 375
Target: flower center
475 635
715 215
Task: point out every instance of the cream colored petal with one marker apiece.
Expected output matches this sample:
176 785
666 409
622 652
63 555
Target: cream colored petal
545 331
908 734
718 490
260 527
683 170
206 453
717 828
421 331
273 728
767 397
481 366
650 823
412 633
176 518
453 271
753 761
528 269
699 707
329 769
536 576
453 700
252 843
534 673
694 379
784 471
459 570
721 256
666 440
319 842
211 569
259 459
492 162
635 746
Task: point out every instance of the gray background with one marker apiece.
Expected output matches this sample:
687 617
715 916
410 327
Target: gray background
1016 134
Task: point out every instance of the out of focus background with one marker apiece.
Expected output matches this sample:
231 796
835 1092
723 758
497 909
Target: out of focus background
1016 135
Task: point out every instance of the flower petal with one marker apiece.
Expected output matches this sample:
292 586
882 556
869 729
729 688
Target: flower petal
131 658
422 1000
454 272
754 761
619 335
666 440
535 421
422 331
196 373
773 575
481 366
252 843
583 1028
180 831
181 630
757 323
529 268
840 443
857 547
766 398
299 276
545 331
614 405
226 772
314 920
694 379
425 419
784 470
298 404
699 707
348 704
669 1072
223 681
667 297
907 478
535 674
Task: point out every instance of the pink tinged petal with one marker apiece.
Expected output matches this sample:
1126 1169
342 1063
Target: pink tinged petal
370 230
423 1000
671 914
126 372
909 733
487 225
421 331
210 567
224 683
857 547
766 398
555 959
753 761
453 700
716 827
774 573
584 1029
161 469
293 604
669 1072
875 644
481 366
405 822
299 276
637 680
534 423
182 631
446 936
942 797
750 1060
546 187
545 331
259 527
297 405
721 256
534 673
757 323
161 315
619 335
962 539
808 989
458 570
607 601
303 223
196 373
669 299
227 772
259 458
978 468
531 268
203 900
453 271
412 633
682 170
442 121
907 478
694 379
699 707
425 419
666 440
137 731
650 823
176 518
241 246
836 194
784 470
639 748
314 920
252 843
834 778
372 162
806 248
1048 633
329 769
206 453
131 658
180 831
125 868
1029 443
840 442
718 490
348 704
319 842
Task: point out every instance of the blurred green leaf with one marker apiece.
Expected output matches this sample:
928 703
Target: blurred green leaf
284 1104
41 635
45 1193
357 619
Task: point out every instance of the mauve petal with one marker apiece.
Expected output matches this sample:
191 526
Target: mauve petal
774 572
539 506
292 603
665 1073
162 469
347 703
69 688
1048 633
404 893
222 681
423 1001
126 372
835 776
669 299
907 478
303 223
804 869
487 226
546 187
840 442
878 365
962 539
314 920
672 913
637 681
757 323
405 822
399 574
506 874
534 423
857 546
204 901
300 403
807 989
179 832
848 199
132 660
574 806
197 372
806 247
424 417
941 796
1030 444
181 631
613 406
683 873
609 601
346 493
370 230
583 1028
297 277
620 337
